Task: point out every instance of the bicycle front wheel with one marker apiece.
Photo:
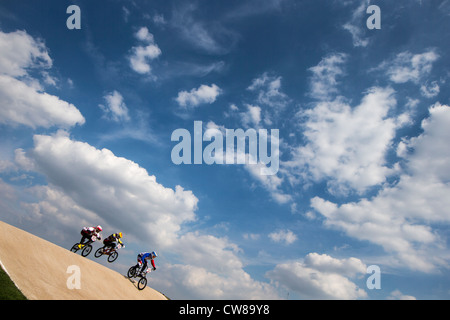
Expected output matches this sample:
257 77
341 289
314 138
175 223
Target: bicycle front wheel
86 250
113 256
98 253
142 283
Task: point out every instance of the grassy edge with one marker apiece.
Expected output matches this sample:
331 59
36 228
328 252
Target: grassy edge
8 290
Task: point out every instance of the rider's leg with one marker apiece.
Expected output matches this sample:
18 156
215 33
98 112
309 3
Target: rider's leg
82 241
144 266
109 245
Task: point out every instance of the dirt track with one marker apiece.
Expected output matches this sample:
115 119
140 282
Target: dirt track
40 269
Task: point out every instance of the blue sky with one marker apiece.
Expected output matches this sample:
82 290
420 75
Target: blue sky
86 118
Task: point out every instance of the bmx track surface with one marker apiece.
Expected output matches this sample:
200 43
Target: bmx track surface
40 270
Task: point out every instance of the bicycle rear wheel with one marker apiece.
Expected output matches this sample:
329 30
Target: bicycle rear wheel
75 247
131 272
142 283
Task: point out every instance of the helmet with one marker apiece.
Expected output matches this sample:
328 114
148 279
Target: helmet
154 255
98 228
119 235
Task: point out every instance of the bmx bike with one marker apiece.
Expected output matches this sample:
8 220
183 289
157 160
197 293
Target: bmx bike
134 272
111 252
85 248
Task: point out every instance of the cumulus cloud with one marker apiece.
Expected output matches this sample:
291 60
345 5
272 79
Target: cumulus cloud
430 90
269 91
23 104
398 218
347 145
321 277
196 282
201 95
324 76
407 67
211 269
142 54
22 100
356 25
112 188
398 295
252 117
20 52
87 186
283 236
115 108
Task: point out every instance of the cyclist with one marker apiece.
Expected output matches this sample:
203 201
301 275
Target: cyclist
143 258
113 240
87 233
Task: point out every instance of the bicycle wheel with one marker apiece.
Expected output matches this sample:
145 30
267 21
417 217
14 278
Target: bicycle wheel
86 250
99 252
74 247
142 283
113 256
131 272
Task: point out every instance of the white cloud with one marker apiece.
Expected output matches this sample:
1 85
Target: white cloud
397 295
268 89
195 282
357 35
19 52
87 185
347 145
251 236
272 183
356 26
431 90
141 55
324 82
211 269
115 108
252 117
321 277
350 267
22 104
285 236
116 189
400 217
143 35
48 79
204 94
21 98
410 67
217 255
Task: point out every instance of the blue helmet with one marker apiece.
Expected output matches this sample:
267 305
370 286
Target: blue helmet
154 255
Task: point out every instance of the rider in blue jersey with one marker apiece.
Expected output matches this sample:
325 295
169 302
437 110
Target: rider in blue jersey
143 257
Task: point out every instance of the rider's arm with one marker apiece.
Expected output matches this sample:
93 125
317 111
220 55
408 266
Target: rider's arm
153 264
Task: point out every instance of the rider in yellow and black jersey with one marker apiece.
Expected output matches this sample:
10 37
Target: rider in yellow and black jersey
113 240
